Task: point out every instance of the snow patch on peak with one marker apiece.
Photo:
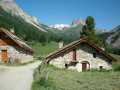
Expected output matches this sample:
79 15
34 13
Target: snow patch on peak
60 26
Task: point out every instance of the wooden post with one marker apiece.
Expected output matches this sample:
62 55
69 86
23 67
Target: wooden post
45 75
41 65
39 70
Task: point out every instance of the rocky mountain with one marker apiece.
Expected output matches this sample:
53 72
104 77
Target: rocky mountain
21 20
78 21
11 7
75 23
75 28
99 31
114 38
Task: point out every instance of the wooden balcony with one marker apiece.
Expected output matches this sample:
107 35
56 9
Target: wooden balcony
74 61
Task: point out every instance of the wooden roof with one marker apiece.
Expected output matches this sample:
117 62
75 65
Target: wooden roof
75 43
17 40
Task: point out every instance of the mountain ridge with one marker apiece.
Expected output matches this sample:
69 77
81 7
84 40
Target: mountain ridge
114 38
11 7
70 31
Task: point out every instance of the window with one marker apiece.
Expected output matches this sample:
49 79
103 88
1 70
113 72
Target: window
101 67
83 44
66 65
94 55
26 52
0 36
74 54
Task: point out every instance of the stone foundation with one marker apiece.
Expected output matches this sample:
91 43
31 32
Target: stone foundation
16 53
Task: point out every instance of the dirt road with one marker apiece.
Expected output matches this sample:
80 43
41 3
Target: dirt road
17 77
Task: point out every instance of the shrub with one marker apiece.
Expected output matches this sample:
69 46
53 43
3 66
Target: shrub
46 83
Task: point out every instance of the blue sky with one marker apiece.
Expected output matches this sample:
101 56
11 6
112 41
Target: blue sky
105 12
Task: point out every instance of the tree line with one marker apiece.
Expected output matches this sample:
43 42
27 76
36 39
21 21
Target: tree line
89 33
26 31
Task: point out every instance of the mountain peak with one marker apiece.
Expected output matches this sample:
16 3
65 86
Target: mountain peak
34 19
116 29
13 8
78 21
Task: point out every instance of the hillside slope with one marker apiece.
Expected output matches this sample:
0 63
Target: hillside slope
112 37
12 10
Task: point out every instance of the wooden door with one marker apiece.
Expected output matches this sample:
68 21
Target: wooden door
4 55
83 66
74 54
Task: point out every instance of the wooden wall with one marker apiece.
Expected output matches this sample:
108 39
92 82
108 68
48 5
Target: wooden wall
5 40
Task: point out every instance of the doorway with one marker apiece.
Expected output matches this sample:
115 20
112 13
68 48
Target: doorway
4 55
84 66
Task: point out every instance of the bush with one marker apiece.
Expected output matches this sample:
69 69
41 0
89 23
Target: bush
46 83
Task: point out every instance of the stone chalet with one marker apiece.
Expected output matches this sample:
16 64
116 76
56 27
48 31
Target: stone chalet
80 55
12 49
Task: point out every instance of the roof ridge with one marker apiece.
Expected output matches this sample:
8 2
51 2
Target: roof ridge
67 47
20 42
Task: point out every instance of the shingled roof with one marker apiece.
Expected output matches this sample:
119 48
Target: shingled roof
75 43
17 40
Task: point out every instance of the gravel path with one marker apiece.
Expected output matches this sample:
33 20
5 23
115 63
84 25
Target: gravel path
17 77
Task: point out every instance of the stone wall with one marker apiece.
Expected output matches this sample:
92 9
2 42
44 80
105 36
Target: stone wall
15 52
82 54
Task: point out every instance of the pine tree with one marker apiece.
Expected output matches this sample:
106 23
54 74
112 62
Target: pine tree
89 31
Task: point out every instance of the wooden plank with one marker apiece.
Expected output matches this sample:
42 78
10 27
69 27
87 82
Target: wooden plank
83 66
74 54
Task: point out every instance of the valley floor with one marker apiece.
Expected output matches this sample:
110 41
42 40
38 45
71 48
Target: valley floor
64 79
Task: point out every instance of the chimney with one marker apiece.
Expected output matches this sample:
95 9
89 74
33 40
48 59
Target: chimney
60 44
103 48
12 30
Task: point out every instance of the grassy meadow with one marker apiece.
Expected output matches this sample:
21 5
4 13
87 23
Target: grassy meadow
116 65
63 79
43 48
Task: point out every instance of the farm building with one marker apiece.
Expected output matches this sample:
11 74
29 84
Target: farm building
12 49
80 55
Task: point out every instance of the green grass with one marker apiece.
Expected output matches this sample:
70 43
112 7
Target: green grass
40 48
63 79
117 57
17 64
43 48
116 65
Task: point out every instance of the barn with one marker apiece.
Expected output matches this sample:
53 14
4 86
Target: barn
80 55
12 49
